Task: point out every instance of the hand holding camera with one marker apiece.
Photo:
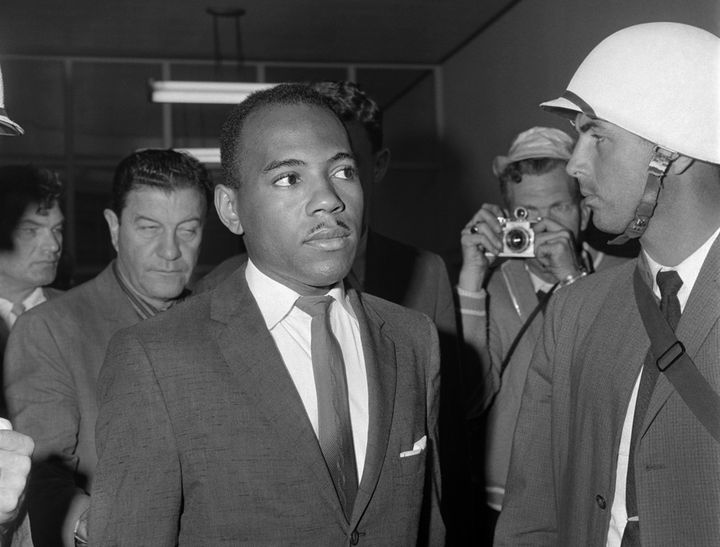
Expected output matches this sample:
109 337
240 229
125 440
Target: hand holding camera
481 243
556 249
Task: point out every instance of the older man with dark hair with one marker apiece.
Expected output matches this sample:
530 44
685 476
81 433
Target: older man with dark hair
280 407
55 351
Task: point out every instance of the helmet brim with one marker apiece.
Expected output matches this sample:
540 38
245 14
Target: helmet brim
10 128
563 107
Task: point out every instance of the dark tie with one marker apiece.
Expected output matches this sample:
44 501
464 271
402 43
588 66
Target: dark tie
334 427
669 283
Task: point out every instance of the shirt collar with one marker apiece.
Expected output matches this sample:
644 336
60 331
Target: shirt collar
35 298
688 269
276 300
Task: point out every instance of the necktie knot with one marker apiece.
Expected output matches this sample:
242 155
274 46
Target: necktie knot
314 306
669 283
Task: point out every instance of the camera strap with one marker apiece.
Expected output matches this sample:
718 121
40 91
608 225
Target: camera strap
677 366
541 305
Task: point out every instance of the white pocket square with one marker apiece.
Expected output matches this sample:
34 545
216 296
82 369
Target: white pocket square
417 448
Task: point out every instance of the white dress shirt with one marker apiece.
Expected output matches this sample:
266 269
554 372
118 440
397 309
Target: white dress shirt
35 298
688 270
290 328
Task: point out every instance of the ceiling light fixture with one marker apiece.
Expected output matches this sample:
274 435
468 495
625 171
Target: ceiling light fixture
167 91
209 156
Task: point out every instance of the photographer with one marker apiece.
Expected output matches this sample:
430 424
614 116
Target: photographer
511 266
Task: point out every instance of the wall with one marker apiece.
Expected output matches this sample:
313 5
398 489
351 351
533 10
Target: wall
493 86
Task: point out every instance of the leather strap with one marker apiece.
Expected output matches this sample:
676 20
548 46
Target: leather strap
677 366
657 168
541 305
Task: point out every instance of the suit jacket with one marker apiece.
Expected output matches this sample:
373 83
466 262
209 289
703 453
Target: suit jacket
511 300
204 440
52 362
417 279
562 471
49 293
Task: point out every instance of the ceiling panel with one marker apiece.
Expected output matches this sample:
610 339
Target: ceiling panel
375 31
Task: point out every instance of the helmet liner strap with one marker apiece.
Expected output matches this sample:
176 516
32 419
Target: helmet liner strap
657 169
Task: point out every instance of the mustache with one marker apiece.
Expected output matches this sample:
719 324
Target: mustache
324 226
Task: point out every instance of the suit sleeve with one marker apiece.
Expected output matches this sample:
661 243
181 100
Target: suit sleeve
137 494
434 532
43 404
529 513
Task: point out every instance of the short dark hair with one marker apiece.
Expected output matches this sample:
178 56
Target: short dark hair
22 186
166 170
352 104
515 171
283 94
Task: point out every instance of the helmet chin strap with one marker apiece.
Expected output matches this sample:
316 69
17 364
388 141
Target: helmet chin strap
657 169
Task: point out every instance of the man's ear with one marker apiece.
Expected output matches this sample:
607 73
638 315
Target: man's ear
113 223
680 165
381 165
227 210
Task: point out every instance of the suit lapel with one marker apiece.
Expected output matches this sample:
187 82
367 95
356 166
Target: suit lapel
699 317
251 354
381 367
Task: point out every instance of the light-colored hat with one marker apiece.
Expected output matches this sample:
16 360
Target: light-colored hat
660 81
7 126
536 143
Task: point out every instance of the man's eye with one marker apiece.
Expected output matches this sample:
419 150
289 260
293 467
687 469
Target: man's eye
188 233
346 173
148 229
287 180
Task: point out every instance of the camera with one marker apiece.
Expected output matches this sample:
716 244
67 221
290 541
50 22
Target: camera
518 237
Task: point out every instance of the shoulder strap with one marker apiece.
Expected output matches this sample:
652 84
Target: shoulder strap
526 325
675 364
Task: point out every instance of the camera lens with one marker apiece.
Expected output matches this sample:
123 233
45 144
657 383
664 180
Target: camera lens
517 240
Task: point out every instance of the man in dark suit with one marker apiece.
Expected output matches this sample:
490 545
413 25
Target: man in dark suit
412 277
214 423
55 351
615 443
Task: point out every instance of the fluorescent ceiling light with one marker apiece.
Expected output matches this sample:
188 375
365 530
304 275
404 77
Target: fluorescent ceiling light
210 156
166 91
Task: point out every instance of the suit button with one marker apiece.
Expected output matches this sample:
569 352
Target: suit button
602 504
354 537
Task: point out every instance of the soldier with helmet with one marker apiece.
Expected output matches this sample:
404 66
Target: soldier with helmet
618 437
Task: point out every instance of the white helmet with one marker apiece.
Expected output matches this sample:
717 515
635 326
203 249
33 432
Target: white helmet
7 126
660 81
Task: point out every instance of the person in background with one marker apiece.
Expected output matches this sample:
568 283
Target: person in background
618 435
502 299
280 407
54 354
31 235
